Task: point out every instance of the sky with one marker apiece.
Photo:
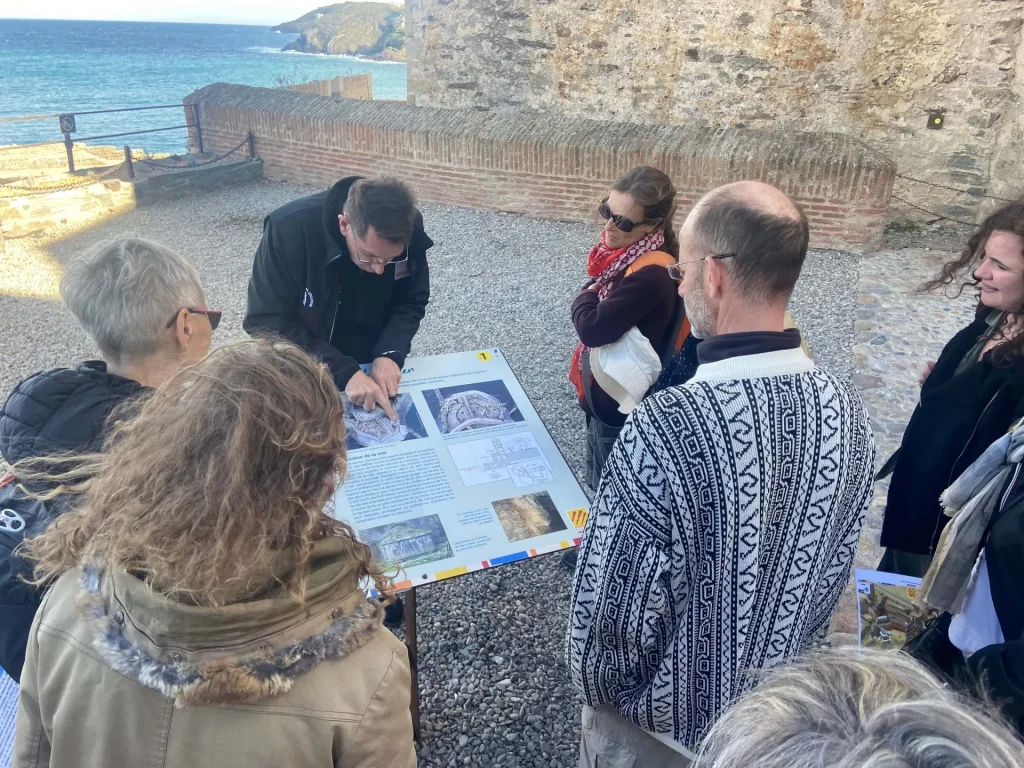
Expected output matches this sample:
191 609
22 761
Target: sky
261 12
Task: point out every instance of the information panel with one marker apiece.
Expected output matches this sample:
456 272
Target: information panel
889 615
468 477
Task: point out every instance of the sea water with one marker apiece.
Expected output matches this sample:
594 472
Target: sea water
49 67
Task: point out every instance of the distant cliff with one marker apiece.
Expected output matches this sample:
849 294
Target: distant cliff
373 30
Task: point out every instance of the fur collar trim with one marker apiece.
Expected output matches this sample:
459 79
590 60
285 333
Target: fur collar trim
242 680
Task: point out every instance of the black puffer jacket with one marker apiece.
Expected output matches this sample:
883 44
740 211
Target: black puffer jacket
59 411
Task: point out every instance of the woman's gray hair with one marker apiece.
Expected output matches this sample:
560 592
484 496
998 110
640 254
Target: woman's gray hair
124 292
857 709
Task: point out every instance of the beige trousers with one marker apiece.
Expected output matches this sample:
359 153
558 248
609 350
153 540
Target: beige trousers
609 741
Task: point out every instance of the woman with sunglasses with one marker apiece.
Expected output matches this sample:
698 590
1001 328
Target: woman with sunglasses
628 287
143 306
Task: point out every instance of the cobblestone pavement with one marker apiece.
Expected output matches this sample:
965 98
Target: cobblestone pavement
896 331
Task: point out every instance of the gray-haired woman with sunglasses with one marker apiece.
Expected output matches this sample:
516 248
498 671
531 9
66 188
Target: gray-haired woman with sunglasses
628 287
143 306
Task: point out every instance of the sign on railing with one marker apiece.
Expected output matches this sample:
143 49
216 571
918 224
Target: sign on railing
68 124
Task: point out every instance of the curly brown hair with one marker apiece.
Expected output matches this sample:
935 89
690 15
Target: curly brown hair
218 484
1009 218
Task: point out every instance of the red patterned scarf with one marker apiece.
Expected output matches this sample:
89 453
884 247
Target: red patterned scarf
605 265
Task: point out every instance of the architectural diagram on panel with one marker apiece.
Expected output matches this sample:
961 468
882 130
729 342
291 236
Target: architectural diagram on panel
515 457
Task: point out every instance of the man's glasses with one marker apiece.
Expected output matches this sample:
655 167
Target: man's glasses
676 271
213 315
377 262
621 222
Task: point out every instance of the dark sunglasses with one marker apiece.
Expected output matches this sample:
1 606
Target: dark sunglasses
213 315
621 222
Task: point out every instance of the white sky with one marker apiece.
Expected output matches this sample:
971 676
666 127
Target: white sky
261 12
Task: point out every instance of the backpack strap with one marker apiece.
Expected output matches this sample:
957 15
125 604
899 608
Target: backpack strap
679 330
651 257
679 326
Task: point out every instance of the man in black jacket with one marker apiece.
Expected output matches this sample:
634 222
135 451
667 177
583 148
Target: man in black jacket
344 275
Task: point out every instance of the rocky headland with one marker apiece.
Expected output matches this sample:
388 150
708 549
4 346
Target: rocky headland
371 30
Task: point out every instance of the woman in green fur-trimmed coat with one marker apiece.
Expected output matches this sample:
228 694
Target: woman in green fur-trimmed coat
205 611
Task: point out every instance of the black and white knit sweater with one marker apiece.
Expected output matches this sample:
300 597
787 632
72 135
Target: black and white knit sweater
720 540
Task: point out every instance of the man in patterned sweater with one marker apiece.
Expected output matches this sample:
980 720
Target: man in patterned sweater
727 518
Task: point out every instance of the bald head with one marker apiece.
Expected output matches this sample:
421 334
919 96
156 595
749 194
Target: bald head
758 196
764 232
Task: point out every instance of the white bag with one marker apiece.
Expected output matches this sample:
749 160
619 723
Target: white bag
626 368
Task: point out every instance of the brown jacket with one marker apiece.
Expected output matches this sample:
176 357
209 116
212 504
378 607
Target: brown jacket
118 675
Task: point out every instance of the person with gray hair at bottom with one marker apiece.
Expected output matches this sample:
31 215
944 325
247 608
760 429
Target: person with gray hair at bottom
851 708
143 306
724 528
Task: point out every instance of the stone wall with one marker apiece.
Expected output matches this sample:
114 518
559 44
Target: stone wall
552 169
41 212
173 185
1007 167
348 87
871 69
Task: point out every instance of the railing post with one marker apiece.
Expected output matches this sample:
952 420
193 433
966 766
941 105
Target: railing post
69 146
252 145
128 161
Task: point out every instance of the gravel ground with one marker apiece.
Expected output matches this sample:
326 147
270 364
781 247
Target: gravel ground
494 688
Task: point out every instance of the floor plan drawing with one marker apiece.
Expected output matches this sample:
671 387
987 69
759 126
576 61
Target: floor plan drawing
517 457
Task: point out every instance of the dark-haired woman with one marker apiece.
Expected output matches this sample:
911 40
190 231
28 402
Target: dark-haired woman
969 397
628 287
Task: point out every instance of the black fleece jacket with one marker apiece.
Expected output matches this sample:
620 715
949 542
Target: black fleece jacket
306 288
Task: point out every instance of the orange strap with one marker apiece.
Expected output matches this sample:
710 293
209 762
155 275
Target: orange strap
662 259
651 257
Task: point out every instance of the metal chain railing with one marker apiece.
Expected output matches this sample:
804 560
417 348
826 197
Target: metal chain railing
939 216
955 189
186 164
933 213
28 188
40 188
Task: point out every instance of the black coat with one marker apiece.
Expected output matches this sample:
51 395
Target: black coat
59 411
958 417
306 288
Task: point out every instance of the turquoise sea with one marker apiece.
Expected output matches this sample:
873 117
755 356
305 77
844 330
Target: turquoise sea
74 66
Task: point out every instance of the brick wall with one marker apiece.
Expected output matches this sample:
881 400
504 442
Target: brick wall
175 184
348 87
555 169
